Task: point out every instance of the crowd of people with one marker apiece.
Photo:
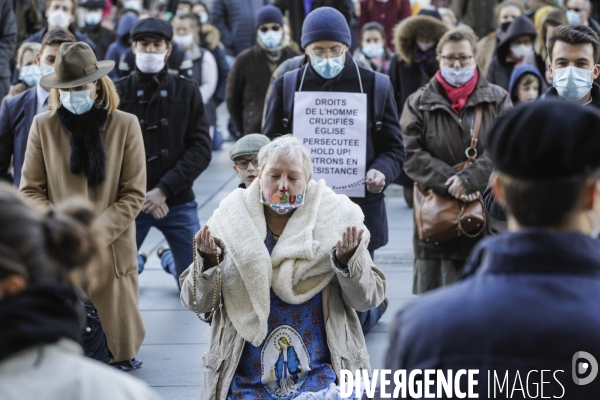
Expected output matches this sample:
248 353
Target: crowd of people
111 110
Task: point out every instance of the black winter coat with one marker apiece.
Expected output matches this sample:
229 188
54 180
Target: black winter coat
385 149
176 138
247 87
530 303
102 38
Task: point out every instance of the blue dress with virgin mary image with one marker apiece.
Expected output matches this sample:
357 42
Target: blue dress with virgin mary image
294 357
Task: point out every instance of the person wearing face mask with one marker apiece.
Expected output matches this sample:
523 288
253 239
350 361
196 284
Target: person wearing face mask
94 30
515 49
294 254
176 139
573 51
413 65
204 70
444 112
85 147
579 12
387 13
44 257
201 10
528 298
17 113
506 12
373 53
60 14
331 68
251 73
29 72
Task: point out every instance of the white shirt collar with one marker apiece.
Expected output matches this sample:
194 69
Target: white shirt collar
42 95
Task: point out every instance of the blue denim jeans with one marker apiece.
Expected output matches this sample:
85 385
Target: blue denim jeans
179 227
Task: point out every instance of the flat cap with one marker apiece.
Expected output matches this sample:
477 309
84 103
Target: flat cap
153 27
546 139
248 145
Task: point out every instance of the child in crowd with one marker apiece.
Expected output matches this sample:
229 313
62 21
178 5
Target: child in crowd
244 155
372 53
525 84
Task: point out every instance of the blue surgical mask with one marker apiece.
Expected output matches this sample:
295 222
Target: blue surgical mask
31 74
457 77
574 17
271 38
373 50
93 18
47 69
78 102
328 67
572 83
203 17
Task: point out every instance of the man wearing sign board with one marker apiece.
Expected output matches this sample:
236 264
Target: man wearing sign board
345 116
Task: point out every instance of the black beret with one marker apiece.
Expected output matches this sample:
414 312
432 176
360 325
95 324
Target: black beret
154 27
547 139
93 4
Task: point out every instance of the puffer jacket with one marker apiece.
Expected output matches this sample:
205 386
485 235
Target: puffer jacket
436 139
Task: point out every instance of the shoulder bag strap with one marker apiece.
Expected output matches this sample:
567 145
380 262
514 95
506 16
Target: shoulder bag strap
471 151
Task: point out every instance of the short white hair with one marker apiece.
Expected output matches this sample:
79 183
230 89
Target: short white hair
287 148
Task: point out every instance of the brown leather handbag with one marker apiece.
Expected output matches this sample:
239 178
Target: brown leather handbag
440 217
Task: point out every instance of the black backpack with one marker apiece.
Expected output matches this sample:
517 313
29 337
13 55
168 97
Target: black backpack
382 83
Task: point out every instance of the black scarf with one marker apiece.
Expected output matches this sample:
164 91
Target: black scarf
87 151
40 315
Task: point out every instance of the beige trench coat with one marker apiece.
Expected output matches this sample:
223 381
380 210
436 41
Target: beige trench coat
361 287
46 180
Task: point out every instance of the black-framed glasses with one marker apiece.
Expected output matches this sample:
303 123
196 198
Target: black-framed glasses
463 60
243 164
265 29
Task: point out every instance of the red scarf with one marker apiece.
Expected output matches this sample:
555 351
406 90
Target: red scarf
458 96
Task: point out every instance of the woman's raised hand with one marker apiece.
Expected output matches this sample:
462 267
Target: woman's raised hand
348 245
205 243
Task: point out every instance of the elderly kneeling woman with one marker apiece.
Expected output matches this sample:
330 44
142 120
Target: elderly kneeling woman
293 269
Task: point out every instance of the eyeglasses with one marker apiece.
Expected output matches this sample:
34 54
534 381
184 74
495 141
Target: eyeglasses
334 52
450 60
274 28
243 164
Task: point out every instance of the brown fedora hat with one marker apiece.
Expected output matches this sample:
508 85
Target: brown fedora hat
76 65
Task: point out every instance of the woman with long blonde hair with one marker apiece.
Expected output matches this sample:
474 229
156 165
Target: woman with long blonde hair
85 147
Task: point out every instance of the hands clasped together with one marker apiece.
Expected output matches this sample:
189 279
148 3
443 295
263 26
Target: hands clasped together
457 190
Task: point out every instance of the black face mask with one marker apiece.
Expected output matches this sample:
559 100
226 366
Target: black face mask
504 26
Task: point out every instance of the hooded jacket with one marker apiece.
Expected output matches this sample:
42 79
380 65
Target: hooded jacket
500 70
405 73
121 44
530 304
517 73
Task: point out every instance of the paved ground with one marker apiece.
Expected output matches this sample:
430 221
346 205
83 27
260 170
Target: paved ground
176 338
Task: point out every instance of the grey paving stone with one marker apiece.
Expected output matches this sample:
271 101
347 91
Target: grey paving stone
174 327
179 392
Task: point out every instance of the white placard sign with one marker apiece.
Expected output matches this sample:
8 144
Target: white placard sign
332 126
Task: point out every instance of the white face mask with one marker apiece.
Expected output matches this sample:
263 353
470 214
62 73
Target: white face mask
373 50
93 18
150 63
78 102
30 74
572 83
457 77
271 39
133 5
59 19
203 17
521 50
184 41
